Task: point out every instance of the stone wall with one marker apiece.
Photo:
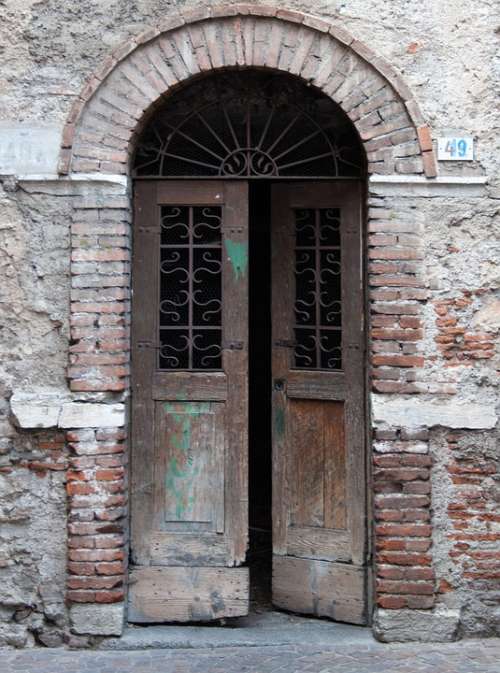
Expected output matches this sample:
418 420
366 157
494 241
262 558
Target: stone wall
435 329
34 267
435 322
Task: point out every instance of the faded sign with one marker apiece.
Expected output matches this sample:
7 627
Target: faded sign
28 150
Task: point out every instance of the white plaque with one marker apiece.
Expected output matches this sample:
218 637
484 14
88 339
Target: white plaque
28 150
456 148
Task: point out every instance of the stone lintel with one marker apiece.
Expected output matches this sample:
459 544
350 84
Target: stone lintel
416 413
52 409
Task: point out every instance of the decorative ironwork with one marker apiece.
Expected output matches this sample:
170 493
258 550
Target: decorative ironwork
318 293
190 310
249 125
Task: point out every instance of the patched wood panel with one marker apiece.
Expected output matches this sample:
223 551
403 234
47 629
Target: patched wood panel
320 588
317 473
177 594
189 465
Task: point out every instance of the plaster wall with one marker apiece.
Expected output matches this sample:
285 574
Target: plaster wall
448 55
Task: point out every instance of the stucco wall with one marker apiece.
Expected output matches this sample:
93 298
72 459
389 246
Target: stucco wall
446 53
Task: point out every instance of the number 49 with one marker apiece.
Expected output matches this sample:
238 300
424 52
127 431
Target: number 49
456 147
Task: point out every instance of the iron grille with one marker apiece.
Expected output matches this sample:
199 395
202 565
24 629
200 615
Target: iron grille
318 292
249 125
190 310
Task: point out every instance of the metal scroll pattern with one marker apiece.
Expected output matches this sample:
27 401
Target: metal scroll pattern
248 125
190 311
318 299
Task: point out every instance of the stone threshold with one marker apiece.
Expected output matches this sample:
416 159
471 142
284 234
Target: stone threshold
267 629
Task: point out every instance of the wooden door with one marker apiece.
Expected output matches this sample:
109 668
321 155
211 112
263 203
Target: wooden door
189 402
319 521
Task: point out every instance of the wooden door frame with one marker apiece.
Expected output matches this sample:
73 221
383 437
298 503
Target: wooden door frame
365 299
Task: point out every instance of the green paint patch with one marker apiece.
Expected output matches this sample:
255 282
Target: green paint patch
279 422
181 468
238 256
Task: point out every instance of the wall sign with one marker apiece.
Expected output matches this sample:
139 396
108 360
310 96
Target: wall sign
456 148
26 149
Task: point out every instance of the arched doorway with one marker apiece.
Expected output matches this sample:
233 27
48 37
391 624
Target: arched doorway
247 354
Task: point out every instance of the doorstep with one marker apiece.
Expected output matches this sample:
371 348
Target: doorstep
256 630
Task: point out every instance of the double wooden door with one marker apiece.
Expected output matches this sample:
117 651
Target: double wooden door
189 492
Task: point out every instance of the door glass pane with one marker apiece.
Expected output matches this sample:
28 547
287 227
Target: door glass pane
190 303
318 291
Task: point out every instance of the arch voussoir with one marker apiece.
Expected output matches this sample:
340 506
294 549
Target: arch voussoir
370 91
109 114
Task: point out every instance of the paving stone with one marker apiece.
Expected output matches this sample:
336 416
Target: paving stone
468 656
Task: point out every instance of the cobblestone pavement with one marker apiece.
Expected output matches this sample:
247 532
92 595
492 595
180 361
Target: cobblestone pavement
470 656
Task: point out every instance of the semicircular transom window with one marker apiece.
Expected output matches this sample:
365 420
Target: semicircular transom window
249 124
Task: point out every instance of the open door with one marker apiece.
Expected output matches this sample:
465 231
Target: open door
319 520
189 405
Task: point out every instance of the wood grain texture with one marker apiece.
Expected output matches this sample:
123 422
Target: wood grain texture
187 594
189 429
174 548
320 588
319 465
189 465
195 386
143 363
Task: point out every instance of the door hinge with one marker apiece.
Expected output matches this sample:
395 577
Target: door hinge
285 343
141 345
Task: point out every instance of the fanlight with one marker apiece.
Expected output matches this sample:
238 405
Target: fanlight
245 124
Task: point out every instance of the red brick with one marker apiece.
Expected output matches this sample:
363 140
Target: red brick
81 596
111 474
404 559
94 582
398 334
78 488
392 602
415 588
96 555
114 596
112 568
409 530
77 568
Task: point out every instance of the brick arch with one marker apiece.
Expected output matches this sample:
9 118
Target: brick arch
98 137
136 76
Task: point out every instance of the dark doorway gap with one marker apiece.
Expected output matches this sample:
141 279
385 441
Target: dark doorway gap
260 443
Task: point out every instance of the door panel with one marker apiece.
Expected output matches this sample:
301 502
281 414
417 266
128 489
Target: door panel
319 520
335 590
156 592
189 435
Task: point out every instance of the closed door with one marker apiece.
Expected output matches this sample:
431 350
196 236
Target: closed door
319 521
189 407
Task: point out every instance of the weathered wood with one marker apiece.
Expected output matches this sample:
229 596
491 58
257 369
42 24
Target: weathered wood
143 361
188 549
306 467
316 385
235 362
335 466
196 386
193 193
189 450
282 289
319 543
187 594
320 588
319 475
189 465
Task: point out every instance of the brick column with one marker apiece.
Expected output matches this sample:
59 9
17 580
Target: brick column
401 461
98 374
